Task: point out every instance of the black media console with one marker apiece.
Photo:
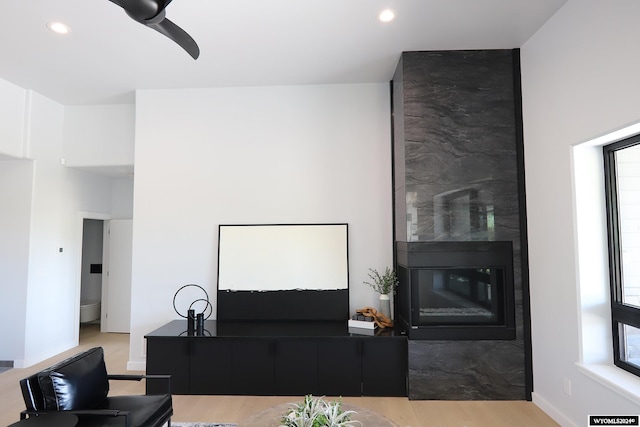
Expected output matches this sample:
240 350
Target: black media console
282 308
278 358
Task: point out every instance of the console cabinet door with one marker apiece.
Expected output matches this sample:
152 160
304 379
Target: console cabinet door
296 366
252 366
210 371
339 367
384 366
168 357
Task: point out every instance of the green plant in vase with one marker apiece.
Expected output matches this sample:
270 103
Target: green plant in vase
316 412
384 284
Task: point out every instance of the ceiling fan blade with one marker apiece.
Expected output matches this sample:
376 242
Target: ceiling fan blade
152 14
176 34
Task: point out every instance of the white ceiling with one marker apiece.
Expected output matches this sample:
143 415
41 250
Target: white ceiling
243 42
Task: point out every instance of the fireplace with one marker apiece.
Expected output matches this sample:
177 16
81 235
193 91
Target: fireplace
456 290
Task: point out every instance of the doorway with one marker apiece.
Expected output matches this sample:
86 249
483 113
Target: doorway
104 286
91 271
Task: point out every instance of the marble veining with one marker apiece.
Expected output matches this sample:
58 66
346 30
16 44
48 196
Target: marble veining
466 370
456 177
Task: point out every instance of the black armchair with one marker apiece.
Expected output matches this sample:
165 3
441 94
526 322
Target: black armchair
80 385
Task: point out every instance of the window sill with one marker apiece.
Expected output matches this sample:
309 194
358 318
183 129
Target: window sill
616 379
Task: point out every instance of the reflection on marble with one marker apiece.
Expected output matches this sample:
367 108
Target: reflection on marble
459 136
399 182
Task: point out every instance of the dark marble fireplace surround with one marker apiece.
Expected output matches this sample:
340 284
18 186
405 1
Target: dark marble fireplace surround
458 177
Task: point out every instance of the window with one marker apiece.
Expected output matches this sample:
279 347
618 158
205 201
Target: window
622 190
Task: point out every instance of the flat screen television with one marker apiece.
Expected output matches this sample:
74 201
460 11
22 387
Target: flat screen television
283 272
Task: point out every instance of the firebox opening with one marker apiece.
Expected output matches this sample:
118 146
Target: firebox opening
456 290
458 296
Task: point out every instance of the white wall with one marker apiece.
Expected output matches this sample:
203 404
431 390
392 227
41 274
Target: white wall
12 117
580 81
122 198
40 216
298 154
15 193
42 208
58 195
99 135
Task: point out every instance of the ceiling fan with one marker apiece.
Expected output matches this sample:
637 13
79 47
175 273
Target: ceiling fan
152 14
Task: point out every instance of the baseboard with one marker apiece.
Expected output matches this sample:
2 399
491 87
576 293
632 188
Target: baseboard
136 366
552 411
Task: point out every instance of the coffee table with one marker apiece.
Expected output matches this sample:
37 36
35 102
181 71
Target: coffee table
60 419
271 417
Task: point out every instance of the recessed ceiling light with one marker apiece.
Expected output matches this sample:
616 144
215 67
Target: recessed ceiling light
387 15
58 27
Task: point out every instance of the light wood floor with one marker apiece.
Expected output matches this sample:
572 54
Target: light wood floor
233 409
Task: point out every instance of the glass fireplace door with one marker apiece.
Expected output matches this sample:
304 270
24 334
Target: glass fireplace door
457 296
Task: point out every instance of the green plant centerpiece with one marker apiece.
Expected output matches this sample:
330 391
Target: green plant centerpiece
383 283
317 412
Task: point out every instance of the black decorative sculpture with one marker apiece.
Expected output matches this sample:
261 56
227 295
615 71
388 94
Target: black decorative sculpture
191 315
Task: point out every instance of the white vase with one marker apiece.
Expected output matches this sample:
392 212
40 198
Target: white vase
385 305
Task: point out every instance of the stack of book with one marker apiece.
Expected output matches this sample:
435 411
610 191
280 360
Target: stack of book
362 325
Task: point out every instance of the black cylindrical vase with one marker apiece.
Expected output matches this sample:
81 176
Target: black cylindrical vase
191 321
200 324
